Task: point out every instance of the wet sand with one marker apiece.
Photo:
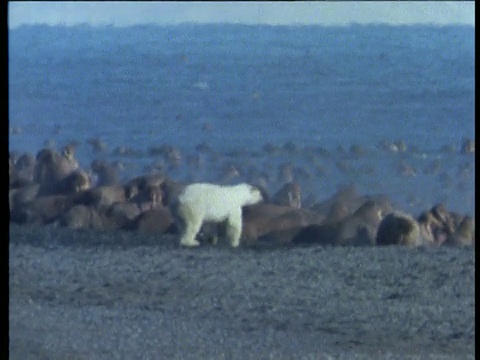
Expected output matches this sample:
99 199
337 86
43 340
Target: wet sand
123 295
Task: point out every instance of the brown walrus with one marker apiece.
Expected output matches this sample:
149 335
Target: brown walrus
345 195
264 218
51 167
360 228
107 174
159 220
81 217
21 170
171 191
75 182
21 196
102 196
68 152
42 210
398 228
114 217
345 202
464 234
140 183
339 210
147 191
437 224
149 198
288 195
97 144
286 173
122 213
41 203
430 229
440 227
468 146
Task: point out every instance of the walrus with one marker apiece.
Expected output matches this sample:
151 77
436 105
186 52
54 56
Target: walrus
441 223
170 192
68 153
338 211
81 217
75 182
107 174
288 195
51 167
42 210
123 211
464 234
345 202
113 217
346 195
146 191
440 212
258 219
285 173
174 157
431 229
356 151
102 196
406 170
21 196
433 168
396 146
263 218
159 220
468 146
171 154
271 150
326 234
279 237
118 215
357 229
398 228
441 227
436 225
21 170
149 198
97 144
228 173
141 183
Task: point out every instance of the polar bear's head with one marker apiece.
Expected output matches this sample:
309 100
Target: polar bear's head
255 195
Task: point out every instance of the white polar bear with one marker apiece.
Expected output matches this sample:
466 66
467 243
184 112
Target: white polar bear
209 202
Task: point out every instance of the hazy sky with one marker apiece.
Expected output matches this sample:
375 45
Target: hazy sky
327 13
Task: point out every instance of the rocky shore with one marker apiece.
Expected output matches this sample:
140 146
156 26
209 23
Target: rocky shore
113 295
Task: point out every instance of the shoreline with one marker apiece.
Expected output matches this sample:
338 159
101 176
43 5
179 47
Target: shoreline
84 294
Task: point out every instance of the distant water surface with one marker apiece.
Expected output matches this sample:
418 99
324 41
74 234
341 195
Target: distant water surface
240 87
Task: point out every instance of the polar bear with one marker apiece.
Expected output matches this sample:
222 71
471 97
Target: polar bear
201 202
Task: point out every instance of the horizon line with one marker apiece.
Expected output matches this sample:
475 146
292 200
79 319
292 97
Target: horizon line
196 23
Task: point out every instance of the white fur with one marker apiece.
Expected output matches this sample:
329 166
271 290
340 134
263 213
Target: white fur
209 202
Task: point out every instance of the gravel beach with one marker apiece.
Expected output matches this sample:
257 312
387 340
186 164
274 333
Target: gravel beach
125 295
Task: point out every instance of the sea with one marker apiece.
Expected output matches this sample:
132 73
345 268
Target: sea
322 105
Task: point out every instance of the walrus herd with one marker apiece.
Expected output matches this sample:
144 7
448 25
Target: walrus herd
51 188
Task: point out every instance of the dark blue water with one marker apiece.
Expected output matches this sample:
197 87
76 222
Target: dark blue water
240 87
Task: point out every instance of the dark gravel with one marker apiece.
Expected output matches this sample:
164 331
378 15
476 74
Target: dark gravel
92 295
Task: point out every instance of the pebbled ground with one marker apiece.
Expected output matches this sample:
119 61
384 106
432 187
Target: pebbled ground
92 295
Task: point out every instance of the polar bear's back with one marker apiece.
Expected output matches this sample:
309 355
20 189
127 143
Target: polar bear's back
202 193
215 202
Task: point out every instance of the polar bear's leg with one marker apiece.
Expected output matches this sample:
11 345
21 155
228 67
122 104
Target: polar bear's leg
234 227
189 234
192 224
188 237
